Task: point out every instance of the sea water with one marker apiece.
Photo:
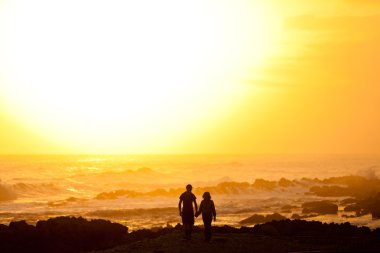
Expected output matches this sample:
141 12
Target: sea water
38 187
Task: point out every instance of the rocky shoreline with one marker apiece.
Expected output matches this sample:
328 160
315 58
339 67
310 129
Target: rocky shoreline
75 234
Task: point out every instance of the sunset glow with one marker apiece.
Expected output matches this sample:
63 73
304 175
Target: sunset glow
188 77
189 126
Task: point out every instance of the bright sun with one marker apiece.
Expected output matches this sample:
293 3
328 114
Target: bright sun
127 75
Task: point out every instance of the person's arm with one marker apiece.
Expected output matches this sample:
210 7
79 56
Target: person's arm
179 207
213 211
196 206
199 211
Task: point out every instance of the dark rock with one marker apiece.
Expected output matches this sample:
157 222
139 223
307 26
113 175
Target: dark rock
369 205
331 191
257 218
349 216
288 207
352 208
375 210
74 235
62 234
319 207
355 186
348 201
220 239
269 229
313 228
296 216
20 226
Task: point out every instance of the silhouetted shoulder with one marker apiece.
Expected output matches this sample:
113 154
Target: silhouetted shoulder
187 196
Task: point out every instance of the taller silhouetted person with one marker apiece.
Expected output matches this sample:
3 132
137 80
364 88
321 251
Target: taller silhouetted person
187 212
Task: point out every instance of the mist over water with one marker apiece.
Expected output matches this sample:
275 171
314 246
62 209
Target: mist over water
143 190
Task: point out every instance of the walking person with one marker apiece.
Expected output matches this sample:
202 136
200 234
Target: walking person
187 212
207 209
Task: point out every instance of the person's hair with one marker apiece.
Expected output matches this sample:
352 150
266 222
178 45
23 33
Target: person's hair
206 195
189 187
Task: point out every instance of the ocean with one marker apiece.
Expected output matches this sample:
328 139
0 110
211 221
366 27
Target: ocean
141 191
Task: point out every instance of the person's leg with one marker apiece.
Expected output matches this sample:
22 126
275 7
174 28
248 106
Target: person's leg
188 229
210 230
185 225
207 227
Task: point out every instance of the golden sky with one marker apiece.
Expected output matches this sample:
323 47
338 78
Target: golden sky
211 76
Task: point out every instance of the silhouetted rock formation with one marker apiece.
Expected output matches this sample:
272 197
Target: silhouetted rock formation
350 186
369 205
276 236
331 191
296 216
128 213
287 208
62 234
256 218
353 208
221 188
312 228
348 201
319 207
355 186
68 234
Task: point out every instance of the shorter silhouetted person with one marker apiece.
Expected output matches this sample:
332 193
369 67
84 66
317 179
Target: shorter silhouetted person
207 209
187 212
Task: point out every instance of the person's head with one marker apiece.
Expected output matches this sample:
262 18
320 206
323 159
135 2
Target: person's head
189 187
206 196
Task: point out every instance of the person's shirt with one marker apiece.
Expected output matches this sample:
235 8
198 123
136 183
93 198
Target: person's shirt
207 208
187 199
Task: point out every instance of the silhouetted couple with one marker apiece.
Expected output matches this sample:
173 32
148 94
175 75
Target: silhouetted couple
207 209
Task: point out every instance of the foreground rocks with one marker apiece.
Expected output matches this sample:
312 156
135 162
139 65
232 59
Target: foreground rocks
62 234
74 235
276 236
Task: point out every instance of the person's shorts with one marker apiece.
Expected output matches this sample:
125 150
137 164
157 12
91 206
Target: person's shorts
188 218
